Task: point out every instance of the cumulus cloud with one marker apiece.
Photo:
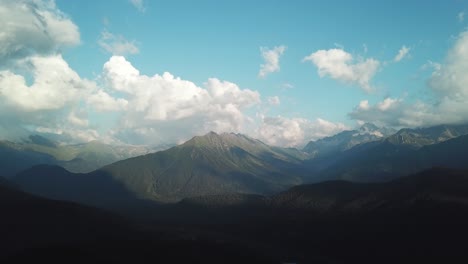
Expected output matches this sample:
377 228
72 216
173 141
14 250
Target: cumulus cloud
450 79
51 103
34 27
448 88
78 118
340 65
295 132
271 58
274 100
159 104
103 102
402 53
117 44
139 5
55 85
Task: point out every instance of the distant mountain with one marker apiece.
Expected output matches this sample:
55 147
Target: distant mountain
427 136
205 165
346 140
14 159
382 161
86 157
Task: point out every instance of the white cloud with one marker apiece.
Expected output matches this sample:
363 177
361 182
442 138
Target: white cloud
274 100
102 101
55 85
389 112
340 65
117 44
461 17
167 106
295 132
449 104
402 53
450 78
78 119
139 5
34 27
271 58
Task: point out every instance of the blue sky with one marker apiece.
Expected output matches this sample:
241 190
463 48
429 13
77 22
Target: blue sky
327 66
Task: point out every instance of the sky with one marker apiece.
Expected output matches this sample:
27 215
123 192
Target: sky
286 72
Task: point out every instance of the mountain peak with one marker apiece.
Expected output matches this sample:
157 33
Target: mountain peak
369 127
223 140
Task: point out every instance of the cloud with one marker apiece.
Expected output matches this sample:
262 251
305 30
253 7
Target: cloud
170 107
402 53
78 118
461 17
117 44
34 27
295 132
450 79
340 65
449 102
139 5
103 102
271 58
274 100
52 103
55 85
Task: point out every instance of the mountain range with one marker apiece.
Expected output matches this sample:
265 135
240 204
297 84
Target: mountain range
360 196
210 164
217 164
345 140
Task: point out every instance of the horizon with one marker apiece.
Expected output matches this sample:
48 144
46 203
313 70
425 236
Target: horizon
144 72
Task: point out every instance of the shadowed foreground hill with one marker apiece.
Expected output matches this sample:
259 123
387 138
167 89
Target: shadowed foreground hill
419 218
36 230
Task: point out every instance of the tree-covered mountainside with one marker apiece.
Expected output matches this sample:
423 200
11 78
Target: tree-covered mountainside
34 229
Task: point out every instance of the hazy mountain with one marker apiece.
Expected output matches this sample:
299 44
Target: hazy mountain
381 161
14 159
346 140
86 157
427 136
